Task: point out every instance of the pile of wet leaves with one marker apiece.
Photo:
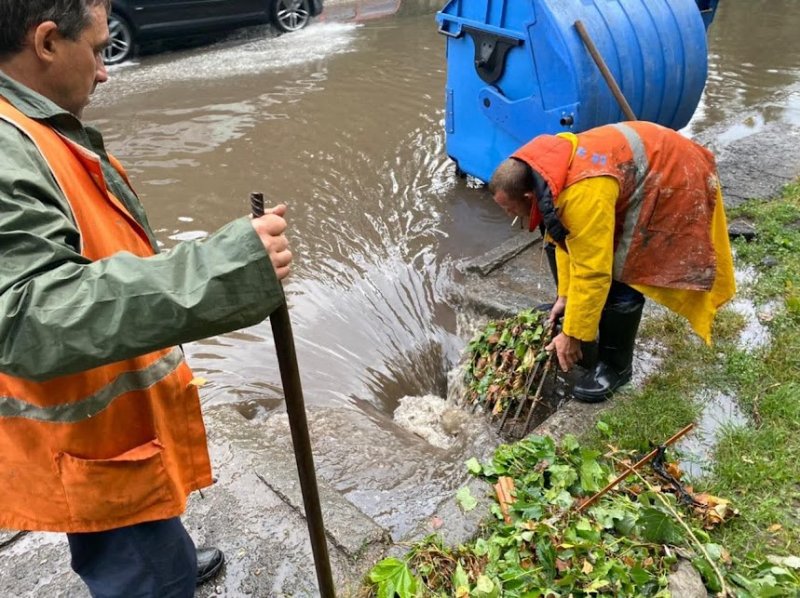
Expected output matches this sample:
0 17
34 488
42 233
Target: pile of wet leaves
507 365
541 542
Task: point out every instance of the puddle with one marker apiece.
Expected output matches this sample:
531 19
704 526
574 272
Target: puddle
755 335
745 276
720 412
647 358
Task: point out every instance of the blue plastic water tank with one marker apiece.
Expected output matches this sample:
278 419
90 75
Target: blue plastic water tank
518 68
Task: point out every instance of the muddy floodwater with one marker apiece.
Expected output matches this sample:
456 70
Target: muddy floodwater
343 122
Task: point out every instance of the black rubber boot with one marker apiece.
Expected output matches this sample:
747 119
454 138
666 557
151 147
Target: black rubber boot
209 563
589 352
618 327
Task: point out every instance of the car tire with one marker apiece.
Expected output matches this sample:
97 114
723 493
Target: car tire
121 44
290 15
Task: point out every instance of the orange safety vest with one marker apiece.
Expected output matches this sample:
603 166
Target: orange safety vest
113 446
668 191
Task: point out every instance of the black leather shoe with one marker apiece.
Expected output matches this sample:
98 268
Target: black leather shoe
599 384
209 563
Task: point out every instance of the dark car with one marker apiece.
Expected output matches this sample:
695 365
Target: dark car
132 22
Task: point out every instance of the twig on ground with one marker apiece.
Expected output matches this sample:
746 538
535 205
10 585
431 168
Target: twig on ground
587 503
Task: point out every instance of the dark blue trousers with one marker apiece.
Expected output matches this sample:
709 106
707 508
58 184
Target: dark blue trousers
621 295
156 559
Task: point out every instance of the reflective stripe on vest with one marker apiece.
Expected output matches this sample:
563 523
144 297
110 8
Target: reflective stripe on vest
636 200
95 403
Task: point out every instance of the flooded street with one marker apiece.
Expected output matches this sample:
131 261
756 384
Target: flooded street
754 70
343 121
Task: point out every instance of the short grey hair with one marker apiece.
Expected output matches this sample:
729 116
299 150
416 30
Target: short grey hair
514 177
17 17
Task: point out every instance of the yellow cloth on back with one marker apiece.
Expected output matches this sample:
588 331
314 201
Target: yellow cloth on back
587 209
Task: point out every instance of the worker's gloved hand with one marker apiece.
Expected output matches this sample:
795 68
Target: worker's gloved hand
270 229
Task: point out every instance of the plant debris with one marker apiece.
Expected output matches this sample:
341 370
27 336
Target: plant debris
538 545
508 364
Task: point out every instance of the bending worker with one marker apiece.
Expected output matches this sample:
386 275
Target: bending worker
635 209
101 434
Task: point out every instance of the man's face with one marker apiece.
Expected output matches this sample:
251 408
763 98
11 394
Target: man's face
79 65
513 206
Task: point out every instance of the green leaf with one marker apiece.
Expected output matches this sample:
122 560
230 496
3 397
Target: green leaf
592 475
529 510
660 527
607 516
485 588
460 579
385 569
714 551
474 467
481 547
792 562
603 428
597 584
562 476
570 443
546 553
466 501
626 525
585 530
709 577
392 576
640 576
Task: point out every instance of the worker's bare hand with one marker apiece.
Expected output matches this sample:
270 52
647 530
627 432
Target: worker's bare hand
558 309
270 229
568 350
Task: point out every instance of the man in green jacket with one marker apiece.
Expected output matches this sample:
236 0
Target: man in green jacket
50 63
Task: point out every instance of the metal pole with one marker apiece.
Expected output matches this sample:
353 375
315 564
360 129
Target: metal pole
298 424
604 70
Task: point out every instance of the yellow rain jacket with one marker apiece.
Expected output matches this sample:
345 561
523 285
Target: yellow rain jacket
643 206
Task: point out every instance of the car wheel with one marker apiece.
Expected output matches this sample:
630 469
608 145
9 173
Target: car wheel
120 45
291 15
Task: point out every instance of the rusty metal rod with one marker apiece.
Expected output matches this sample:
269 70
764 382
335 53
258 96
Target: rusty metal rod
522 399
298 424
635 466
605 71
538 396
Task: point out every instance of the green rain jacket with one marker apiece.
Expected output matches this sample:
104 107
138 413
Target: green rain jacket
61 313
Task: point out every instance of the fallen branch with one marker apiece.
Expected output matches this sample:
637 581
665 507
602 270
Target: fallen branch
587 503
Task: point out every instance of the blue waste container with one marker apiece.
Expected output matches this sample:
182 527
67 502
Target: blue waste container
518 68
